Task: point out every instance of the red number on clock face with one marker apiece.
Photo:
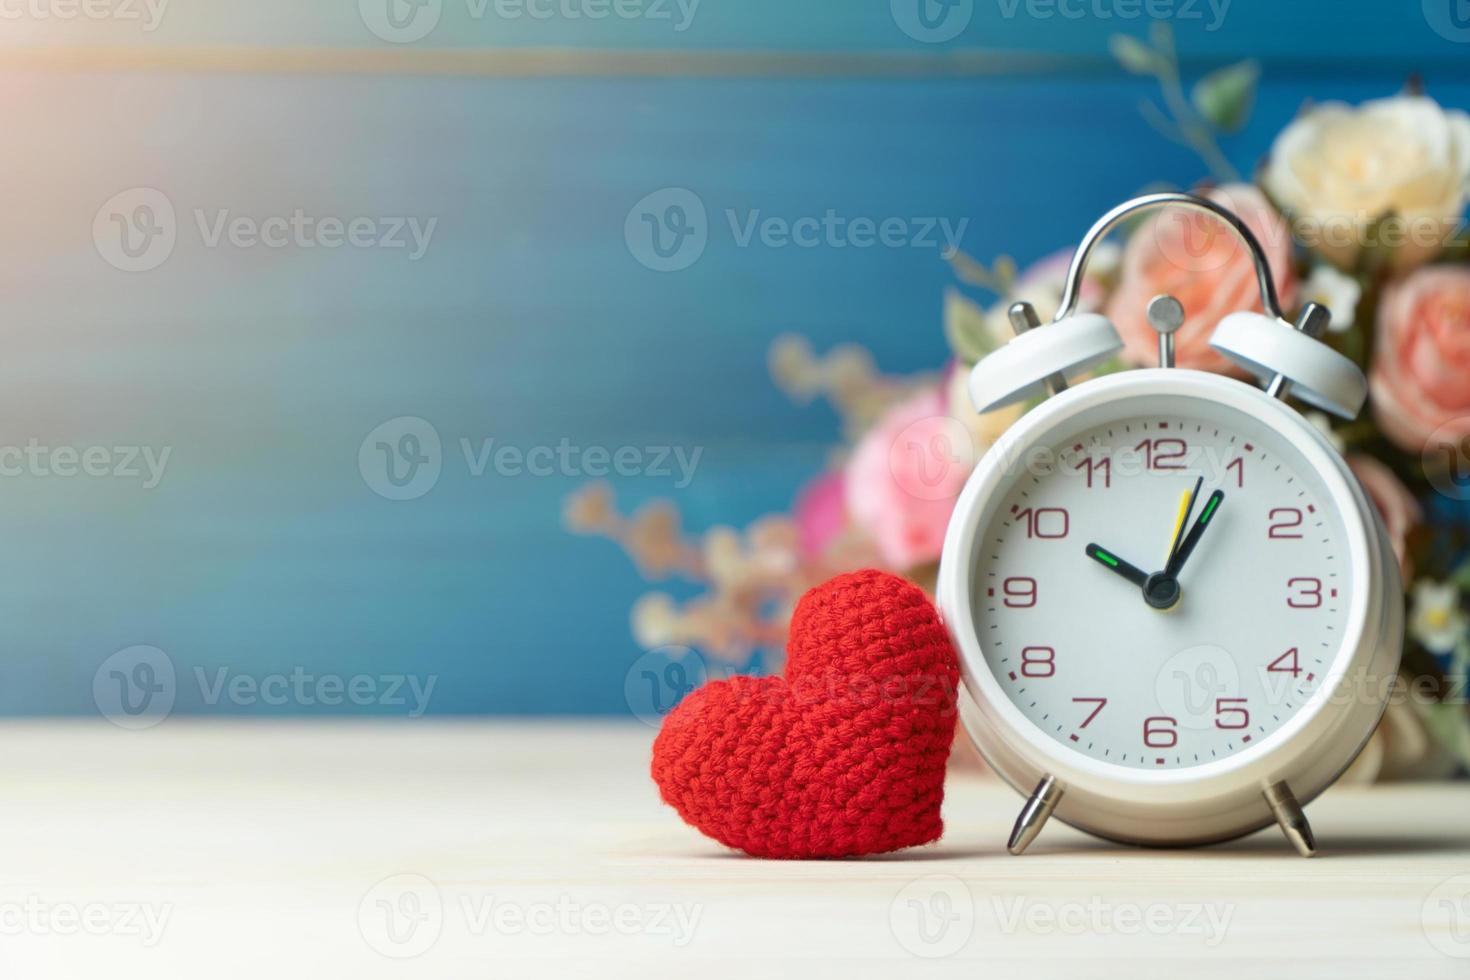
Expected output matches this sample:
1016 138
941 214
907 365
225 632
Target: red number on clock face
1047 523
1307 593
1101 704
1160 732
1163 454
1094 467
1038 662
1285 664
1020 592
1238 717
1284 522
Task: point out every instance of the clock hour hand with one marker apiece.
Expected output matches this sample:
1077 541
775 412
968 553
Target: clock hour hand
1117 565
1186 547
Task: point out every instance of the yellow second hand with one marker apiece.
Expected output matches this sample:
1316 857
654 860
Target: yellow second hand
1178 523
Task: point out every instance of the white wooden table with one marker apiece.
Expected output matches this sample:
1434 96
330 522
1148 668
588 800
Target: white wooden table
498 850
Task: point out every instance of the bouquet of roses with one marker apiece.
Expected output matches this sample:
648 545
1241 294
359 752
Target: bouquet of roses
1359 208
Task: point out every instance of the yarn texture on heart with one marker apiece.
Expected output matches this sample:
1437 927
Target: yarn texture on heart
842 756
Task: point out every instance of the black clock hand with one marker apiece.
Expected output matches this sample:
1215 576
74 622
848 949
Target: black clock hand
1117 565
1182 553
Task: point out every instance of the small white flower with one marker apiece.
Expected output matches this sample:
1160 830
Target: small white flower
1337 170
1338 292
1437 620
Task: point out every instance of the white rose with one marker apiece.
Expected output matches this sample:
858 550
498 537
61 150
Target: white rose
1339 169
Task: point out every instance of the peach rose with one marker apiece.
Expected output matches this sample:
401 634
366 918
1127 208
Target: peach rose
1199 262
1421 372
905 475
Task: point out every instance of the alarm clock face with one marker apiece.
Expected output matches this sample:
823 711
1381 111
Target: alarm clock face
1107 648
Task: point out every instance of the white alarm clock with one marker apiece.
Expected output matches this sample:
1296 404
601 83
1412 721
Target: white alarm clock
1177 613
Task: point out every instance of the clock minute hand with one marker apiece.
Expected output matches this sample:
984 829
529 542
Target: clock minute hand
1117 565
1186 547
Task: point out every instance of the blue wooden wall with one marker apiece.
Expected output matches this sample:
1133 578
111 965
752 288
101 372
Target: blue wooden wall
262 551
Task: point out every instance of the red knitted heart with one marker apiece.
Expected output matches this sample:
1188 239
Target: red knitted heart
842 756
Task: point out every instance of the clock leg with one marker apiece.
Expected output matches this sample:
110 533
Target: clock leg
1291 818
1034 814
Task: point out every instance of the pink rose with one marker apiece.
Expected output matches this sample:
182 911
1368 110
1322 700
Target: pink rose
820 514
905 475
1201 263
1401 513
1421 371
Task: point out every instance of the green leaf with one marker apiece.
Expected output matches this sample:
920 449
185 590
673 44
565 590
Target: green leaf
1226 97
1133 54
965 328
